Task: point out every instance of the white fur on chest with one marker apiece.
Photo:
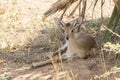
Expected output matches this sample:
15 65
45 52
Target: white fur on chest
74 49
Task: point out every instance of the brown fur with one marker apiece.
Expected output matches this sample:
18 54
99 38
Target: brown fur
79 43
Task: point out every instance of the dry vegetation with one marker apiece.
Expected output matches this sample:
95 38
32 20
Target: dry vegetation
24 39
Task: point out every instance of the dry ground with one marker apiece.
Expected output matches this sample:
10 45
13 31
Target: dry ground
24 39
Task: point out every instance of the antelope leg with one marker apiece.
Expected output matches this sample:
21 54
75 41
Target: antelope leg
61 50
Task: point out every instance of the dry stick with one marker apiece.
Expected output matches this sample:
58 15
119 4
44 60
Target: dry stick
102 3
40 64
80 8
94 7
63 13
65 9
103 61
28 54
112 31
83 9
55 66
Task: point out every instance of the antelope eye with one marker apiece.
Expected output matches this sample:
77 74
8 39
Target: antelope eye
72 30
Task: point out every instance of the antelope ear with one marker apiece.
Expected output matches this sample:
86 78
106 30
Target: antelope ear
59 22
77 22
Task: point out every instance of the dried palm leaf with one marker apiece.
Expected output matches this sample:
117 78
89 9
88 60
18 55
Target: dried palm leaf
58 6
79 4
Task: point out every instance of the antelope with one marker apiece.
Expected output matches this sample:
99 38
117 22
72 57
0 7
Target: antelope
78 43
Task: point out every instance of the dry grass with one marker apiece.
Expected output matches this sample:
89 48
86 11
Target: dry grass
19 28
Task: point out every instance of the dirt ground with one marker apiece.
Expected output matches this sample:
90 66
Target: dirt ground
30 40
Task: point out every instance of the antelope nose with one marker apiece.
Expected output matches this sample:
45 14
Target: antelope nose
67 37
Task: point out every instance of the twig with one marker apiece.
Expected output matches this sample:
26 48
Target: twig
111 31
40 64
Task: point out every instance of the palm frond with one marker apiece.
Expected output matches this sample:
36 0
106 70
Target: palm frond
58 6
64 5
